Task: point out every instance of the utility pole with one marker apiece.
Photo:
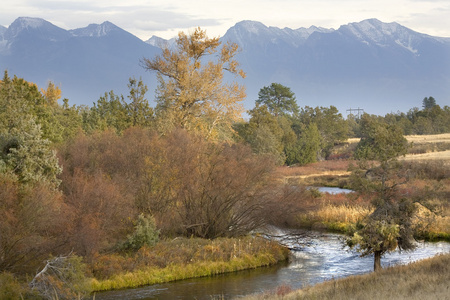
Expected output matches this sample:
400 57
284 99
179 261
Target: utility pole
358 110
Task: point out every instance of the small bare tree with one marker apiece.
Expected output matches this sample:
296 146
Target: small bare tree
62 277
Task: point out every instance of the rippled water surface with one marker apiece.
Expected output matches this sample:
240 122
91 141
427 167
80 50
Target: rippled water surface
315 257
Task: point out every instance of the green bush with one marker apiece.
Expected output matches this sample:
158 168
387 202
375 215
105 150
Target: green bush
145 234
10 288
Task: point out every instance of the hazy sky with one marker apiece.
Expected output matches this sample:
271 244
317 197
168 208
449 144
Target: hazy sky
165 18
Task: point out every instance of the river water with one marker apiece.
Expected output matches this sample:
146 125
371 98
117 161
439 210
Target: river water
316 257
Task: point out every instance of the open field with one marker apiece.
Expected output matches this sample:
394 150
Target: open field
427 279
432 138
425 147
440 155
326 167
419 139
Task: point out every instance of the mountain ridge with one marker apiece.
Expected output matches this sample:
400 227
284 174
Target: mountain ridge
360 64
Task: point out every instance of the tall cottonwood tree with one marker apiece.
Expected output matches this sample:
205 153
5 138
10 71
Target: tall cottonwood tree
191 93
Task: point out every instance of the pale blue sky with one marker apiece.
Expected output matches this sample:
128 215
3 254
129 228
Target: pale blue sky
165 18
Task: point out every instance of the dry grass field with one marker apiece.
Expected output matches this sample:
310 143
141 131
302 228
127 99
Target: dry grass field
440 155
425 147
429 147
419 139
434 138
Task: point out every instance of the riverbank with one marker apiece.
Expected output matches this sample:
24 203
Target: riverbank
427 279
185 258
428 184
341 213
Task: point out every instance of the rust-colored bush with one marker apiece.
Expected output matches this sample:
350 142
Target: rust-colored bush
99 212
30 225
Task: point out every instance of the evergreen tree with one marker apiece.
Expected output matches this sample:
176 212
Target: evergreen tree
279 99
139 111
110 111
24 149
378 175
428 102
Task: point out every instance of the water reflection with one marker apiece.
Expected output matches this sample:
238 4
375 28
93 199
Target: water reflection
333 190
317 257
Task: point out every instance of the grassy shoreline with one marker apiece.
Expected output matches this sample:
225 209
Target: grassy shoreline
200 258
179 272
425 279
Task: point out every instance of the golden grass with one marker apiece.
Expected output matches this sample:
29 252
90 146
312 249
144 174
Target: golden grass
317 168
441 155
341 218
418 139
345 213
427 279
434 146
189 258
324 173
431 226
431 138
179 272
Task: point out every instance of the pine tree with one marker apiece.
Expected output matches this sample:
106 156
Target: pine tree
378 175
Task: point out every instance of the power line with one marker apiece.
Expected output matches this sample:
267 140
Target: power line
358 110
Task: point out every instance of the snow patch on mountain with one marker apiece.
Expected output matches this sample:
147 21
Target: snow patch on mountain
27 22
21 24
253 27
373 31
407 47
244 31
95 30
38 28
160 42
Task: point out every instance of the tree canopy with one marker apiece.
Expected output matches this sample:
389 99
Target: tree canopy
192 93
428 102
279 99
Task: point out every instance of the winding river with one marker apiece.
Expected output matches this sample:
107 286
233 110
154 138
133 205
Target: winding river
316 257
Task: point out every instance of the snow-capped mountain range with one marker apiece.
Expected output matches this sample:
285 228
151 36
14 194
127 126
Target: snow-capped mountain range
380 67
